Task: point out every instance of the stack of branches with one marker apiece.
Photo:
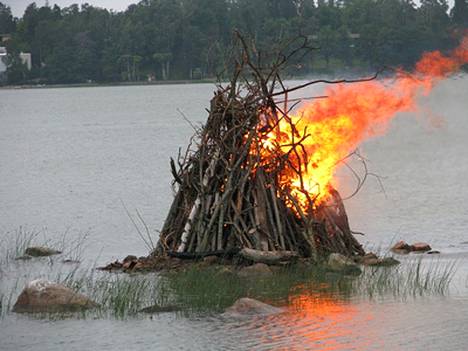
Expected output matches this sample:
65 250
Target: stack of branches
229 195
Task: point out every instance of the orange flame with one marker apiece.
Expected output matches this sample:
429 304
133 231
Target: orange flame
333 127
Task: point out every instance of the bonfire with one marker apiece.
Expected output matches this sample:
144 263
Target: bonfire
257 180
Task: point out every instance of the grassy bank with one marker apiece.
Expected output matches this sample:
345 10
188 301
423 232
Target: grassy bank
211 289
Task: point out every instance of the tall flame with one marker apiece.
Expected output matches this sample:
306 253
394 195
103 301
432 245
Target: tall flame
333 127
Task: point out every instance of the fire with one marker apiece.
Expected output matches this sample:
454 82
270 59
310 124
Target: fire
332 128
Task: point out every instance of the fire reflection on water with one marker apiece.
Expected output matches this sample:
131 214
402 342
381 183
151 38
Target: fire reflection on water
319 320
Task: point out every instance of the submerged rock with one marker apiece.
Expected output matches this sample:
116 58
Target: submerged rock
256 269
71 261
248 306
433 252
160 309
40 251
340 263
371 259
45 296
23 258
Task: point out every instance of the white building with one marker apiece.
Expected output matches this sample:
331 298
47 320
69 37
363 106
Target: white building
3 66
24 56
26 59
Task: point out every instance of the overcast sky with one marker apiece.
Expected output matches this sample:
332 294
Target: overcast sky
18 6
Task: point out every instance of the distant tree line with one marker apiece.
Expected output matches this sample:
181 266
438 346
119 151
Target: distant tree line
189 39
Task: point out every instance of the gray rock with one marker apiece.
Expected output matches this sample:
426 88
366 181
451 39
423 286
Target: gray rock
247 307
39 251
70 261
255 270
371 259
45 296
160 309
382 262
433 252
342 264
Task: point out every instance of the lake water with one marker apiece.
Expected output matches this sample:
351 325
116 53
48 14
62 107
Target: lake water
72 159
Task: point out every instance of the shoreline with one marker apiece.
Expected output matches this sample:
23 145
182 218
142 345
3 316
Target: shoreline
352 74
111 84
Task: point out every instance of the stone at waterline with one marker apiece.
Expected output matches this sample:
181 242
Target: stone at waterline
420 247
40 251
70 261
246 307
433 252
130 258
258 269
371 259
45 296
160 309
339 263
401 247
210 260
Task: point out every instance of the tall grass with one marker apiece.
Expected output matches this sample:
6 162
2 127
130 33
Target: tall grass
415 278
15 243
212 289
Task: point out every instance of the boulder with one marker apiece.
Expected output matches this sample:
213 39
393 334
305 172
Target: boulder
255 270
40 251
45 296
401 248
420 247
210 260
371 259
246 307
342 264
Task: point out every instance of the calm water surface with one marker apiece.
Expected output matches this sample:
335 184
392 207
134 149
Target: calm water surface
70 158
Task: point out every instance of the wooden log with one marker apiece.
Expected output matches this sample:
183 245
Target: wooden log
268 257
198 255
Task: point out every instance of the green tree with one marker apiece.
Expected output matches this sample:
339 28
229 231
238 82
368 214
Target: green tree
459 13
17 71
7 22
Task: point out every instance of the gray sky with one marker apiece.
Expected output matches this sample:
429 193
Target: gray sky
18 6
